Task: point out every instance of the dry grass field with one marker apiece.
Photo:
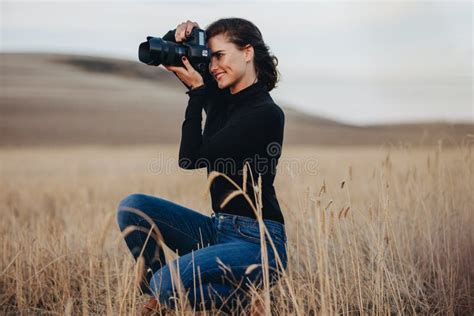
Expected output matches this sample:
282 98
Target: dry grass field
372 230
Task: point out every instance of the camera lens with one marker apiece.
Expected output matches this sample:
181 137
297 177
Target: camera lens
144 53
156 51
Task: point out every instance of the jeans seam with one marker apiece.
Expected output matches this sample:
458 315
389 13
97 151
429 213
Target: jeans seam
173 227
239 266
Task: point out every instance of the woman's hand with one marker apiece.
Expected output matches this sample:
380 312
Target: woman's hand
183 30
188 75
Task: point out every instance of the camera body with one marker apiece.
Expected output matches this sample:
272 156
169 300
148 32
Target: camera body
156 51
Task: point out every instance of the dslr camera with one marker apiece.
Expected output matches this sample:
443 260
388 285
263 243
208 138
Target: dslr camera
166 51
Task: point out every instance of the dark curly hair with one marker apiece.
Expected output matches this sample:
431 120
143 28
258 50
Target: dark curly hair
242 32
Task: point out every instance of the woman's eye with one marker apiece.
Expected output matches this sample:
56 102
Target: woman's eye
217 56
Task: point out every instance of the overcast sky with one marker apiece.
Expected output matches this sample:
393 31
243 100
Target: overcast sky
355 61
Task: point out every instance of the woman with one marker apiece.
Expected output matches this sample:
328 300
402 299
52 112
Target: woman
243 124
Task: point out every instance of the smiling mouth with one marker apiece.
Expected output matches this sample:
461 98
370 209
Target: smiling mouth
219 76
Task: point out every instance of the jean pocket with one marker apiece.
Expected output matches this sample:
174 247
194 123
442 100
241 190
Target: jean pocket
252 233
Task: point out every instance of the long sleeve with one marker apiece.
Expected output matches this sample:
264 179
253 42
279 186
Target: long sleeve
169 36
242 136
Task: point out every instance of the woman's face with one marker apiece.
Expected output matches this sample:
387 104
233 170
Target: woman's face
228 64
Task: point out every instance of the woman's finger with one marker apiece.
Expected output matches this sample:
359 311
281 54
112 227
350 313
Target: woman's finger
189 27
182 32
187 64
180 29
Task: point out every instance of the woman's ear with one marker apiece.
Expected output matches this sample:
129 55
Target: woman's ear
249 52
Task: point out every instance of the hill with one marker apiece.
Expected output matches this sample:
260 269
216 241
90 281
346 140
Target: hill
55 99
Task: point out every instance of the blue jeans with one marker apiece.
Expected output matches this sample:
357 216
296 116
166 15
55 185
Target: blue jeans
214 251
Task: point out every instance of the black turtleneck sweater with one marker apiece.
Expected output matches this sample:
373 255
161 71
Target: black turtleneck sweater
245 126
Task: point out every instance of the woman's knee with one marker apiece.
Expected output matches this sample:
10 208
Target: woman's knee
126 210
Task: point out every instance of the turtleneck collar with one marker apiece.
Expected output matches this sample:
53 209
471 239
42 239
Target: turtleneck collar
246 94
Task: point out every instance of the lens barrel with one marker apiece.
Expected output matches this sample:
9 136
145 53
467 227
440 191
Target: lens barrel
155 51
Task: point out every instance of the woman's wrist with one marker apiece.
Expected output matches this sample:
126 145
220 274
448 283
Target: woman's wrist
197 86
196 90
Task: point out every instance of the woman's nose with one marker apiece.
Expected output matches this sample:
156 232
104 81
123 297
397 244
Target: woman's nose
212 65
